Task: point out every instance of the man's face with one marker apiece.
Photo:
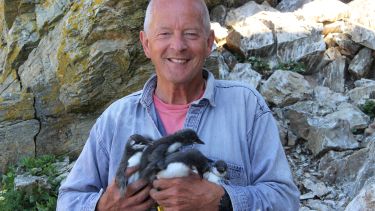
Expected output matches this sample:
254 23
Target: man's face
176 41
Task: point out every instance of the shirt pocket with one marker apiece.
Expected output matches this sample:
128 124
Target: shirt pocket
236 175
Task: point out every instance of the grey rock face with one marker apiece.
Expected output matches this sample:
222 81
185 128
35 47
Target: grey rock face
243 72
365 200
285 88
361 64
291 5
333 75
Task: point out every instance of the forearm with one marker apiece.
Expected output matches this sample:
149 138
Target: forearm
74 200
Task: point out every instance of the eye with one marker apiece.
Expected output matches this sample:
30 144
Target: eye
191 35
164 34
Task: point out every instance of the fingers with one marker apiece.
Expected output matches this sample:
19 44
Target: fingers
131 170
135 187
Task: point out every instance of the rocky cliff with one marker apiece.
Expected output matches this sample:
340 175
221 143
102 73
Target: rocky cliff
63 62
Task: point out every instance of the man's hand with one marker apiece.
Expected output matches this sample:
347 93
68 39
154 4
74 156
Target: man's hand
187 193
136 197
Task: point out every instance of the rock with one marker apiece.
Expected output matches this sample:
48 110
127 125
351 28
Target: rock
291 5
324 11
337 27
362 12
350 170
243 72
239 16
221 33
356 118
370 130
365 200
29 183
328 134
285 88
48 13
325 96
363 91
333 75
17 141
319 205
360 66
361 34
318 189
345 44
86 61
218 14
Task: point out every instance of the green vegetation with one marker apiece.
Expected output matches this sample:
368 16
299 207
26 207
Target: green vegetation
292 66
369 108
259 64
40 197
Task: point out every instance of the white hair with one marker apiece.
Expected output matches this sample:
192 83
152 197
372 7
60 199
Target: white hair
204 11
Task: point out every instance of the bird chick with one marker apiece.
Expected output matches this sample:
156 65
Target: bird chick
217 172
154 155
131 157
182 163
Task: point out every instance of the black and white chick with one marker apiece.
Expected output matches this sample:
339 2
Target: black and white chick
217 172
154 155
131 157
182 163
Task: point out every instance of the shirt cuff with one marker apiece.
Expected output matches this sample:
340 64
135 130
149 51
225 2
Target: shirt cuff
93 200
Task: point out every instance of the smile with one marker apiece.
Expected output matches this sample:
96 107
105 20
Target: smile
178 61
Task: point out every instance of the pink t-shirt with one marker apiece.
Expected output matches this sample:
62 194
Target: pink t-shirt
172 116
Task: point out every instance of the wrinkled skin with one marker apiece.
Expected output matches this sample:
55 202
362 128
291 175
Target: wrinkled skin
136 197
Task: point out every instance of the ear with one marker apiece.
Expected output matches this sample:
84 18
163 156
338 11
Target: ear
210 42
144 41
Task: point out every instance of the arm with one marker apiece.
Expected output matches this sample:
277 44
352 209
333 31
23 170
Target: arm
272 183
88 178
86 186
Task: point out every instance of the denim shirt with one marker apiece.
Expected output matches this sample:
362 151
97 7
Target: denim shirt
231 118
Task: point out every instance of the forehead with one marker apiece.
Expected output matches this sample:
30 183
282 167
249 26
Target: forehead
181 13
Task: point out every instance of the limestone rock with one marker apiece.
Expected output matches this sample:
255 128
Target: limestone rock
324 95
364 89
86 61
218 14
324 11
49 12
239 16
333 75
291 5
362 12
343 42
365 200
29 183
361 34
356 118
17 141
361 64
285 88
243 72
326 134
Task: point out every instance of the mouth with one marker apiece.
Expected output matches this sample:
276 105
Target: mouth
178 61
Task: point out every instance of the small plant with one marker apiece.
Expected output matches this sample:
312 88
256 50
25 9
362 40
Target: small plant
259 64
40 198
369 108
292 66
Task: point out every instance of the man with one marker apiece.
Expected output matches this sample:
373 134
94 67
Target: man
230 117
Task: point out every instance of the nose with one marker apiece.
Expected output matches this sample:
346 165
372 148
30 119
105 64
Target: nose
178 43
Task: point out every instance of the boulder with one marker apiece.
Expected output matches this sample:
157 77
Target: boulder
333 75
285 88
361 34
360 66
243 72
362 12
365 200
291 5
356 118
324 11
364 90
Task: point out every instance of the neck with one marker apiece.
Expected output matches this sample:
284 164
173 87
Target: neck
180 94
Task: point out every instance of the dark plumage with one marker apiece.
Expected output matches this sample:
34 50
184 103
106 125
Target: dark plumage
217 172
180 164
131 157
154 155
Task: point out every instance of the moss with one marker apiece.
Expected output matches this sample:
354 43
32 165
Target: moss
21 110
